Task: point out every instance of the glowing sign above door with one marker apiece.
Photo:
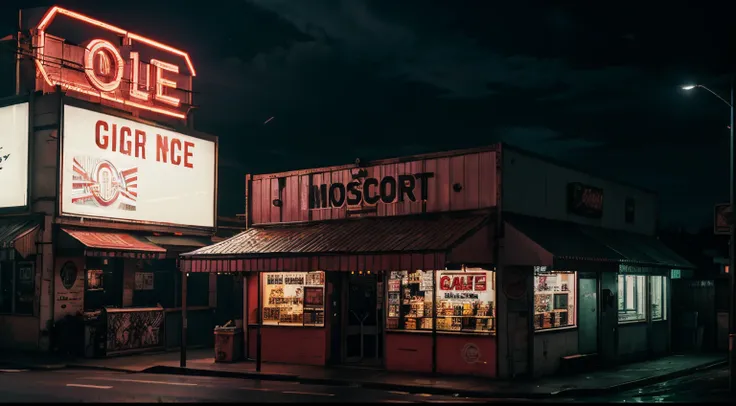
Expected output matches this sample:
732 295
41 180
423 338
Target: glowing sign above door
141 74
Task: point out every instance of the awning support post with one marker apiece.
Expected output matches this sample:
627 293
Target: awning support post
434 319
184 280
259 317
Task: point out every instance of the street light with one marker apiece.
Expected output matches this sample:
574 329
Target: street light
732 245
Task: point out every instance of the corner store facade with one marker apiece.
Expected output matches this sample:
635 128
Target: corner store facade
90 233
528 262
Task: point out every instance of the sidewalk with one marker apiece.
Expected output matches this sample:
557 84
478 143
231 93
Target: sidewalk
201 362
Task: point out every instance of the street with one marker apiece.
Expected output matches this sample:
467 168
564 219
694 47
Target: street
70 385
708 386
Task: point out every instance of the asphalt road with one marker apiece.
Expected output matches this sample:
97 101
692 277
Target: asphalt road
70 385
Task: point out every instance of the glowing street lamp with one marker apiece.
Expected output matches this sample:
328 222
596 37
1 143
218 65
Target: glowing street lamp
732 245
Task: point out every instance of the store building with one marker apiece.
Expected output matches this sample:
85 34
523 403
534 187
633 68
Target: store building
489 262
105 183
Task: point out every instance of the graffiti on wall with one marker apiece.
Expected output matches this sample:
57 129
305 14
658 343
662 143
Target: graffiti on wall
134 330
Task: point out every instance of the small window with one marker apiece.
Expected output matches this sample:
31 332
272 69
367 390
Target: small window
658 287
631 298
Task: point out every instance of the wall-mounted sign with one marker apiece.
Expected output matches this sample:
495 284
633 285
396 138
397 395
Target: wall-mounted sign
722 219
462 285
144 281
121 169
141 73
69 274
370 191
585 200
14 155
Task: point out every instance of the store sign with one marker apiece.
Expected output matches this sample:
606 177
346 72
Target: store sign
370 191
462 285
584 200
159 82
14 155
120 169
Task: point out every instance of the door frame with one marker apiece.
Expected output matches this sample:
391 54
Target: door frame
578 293
379 279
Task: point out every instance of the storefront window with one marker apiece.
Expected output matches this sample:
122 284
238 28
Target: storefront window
410 300
658 293
465 300
17 288
631 298
294 298
554 299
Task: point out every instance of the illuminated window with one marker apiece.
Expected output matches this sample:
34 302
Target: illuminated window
658 292
465 300
631 298
554 299
294 298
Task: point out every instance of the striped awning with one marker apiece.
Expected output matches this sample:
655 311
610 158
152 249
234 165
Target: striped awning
115 245
19 234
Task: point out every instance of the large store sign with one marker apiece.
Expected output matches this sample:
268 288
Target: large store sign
121 169
141 73
14 155
370 191
585 200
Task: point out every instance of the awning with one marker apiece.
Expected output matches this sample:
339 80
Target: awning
179 242
19 234
374 243
116 245
570 241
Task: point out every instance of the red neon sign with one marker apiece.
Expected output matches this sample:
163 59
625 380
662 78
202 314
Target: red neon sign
154 85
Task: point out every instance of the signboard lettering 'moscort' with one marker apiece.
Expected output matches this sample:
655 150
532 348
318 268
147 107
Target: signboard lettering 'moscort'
121 169
370 191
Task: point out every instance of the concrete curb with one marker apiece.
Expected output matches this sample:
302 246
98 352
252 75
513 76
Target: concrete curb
441 391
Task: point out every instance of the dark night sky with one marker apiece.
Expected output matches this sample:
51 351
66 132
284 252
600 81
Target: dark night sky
595 84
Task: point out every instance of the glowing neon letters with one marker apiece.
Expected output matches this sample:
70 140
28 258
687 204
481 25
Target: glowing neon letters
155 85
100 55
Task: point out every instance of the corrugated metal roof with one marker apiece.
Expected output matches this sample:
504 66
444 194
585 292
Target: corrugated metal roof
112 241
179 241
639 248
574 241
419 233
562 239
13 228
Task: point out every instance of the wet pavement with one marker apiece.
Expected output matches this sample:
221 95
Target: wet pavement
702 387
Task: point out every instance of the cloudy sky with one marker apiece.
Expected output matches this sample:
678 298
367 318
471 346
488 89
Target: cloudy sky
595 84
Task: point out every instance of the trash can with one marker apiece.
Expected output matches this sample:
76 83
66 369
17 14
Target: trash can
228 344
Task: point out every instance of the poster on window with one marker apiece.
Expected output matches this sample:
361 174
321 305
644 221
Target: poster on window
144 281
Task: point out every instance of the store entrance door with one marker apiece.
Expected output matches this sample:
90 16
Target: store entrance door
588 323
364 330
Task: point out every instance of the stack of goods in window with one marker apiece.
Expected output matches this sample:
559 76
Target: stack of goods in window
294 299
554 299
465 301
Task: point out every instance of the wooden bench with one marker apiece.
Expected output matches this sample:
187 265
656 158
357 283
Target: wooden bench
578 363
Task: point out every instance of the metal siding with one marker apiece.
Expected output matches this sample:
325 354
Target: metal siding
119 242
475 171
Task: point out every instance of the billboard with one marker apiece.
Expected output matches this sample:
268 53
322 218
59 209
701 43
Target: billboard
14 155
120 169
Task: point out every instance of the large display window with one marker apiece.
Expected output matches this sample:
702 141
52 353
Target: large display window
554 299
465 300
631 298
293 299
658 294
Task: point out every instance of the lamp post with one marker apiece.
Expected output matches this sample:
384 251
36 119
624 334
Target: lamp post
732 245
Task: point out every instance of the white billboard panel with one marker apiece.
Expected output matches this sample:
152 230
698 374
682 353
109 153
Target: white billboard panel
120 169
14 155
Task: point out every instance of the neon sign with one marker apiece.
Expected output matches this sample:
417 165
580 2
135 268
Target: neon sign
159 86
